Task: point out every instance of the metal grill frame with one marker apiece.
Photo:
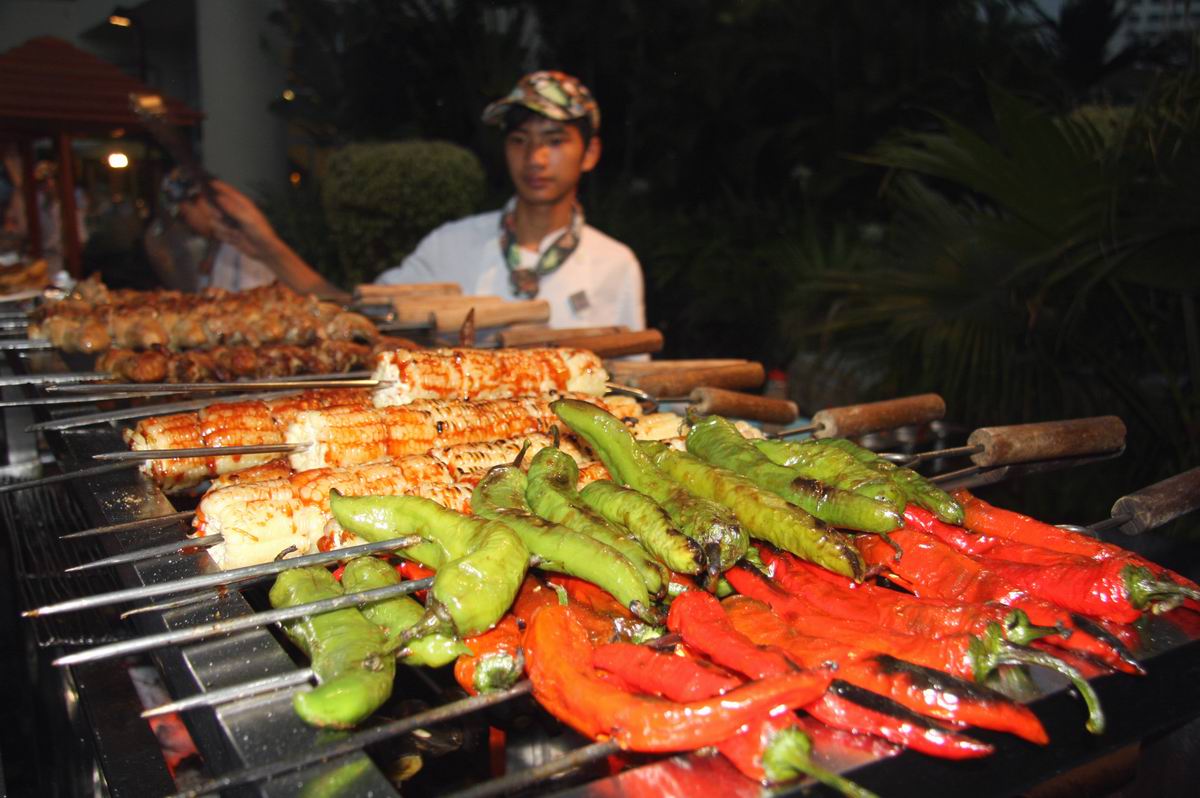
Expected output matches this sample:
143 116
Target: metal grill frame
261 730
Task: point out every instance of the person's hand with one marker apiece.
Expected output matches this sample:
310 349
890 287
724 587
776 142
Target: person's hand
254 236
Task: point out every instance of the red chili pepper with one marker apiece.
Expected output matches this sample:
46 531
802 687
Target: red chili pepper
980 545
559 661
596 599
410 571
899 612
699 619
498 650
931 568
967 656
771 749
979 516
921 690
894 725
674 677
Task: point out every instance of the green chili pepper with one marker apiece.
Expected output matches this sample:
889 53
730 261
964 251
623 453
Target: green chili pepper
340 781
811 460
714 527
914 487
349 653
395 615
482 568
500 495
650 523
718 442
764 514
551 493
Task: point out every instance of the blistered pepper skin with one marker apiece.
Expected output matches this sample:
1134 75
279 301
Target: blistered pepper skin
915 488
395 615
760 512
552 494
567 684
348 652
500 495
716 441
482 566
712 526
649 523
922 690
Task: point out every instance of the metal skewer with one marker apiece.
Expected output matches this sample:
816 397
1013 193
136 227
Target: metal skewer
143 455
148 553
41 401
356 742
141 412
192 583
128 526
45 379
90 471
153 388
25 344
163 606
517 780
253 621
234 692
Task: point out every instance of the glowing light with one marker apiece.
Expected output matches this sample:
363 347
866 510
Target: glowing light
294 177
118 160
120 21
289 95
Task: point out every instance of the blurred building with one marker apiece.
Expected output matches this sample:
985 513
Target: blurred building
215 55
1151 19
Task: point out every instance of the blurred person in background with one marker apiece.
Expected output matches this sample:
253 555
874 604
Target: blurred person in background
538 244
192 246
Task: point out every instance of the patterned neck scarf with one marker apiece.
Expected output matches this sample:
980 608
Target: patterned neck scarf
525 281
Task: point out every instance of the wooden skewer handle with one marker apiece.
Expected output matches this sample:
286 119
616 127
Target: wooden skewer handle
1049 440
536 335
490 313
844 422
681 382
642 342
721 402
1160 503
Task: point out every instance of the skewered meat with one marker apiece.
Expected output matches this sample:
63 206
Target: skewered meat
143 319
486 374
228 363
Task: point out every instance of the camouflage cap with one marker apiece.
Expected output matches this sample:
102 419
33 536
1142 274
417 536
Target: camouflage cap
554 95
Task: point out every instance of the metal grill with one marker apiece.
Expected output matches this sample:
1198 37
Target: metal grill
34 519
263 733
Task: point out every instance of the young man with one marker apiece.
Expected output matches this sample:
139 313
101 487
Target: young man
195 248
538 245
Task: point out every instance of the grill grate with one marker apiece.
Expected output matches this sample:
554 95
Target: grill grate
33 520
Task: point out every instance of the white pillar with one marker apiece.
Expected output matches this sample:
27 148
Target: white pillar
243 142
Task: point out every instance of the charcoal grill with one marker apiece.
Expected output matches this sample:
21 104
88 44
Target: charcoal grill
264 730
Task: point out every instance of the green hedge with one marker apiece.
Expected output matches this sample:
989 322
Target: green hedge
381 199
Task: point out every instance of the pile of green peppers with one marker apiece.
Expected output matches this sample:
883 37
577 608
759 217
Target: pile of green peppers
689 512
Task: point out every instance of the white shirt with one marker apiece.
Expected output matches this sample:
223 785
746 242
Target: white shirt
602 274
234 271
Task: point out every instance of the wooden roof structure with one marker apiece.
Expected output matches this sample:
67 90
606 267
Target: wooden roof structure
50 87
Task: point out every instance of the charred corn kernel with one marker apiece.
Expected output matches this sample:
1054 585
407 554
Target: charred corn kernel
476 374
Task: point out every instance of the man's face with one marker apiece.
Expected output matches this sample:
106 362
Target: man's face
547 158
